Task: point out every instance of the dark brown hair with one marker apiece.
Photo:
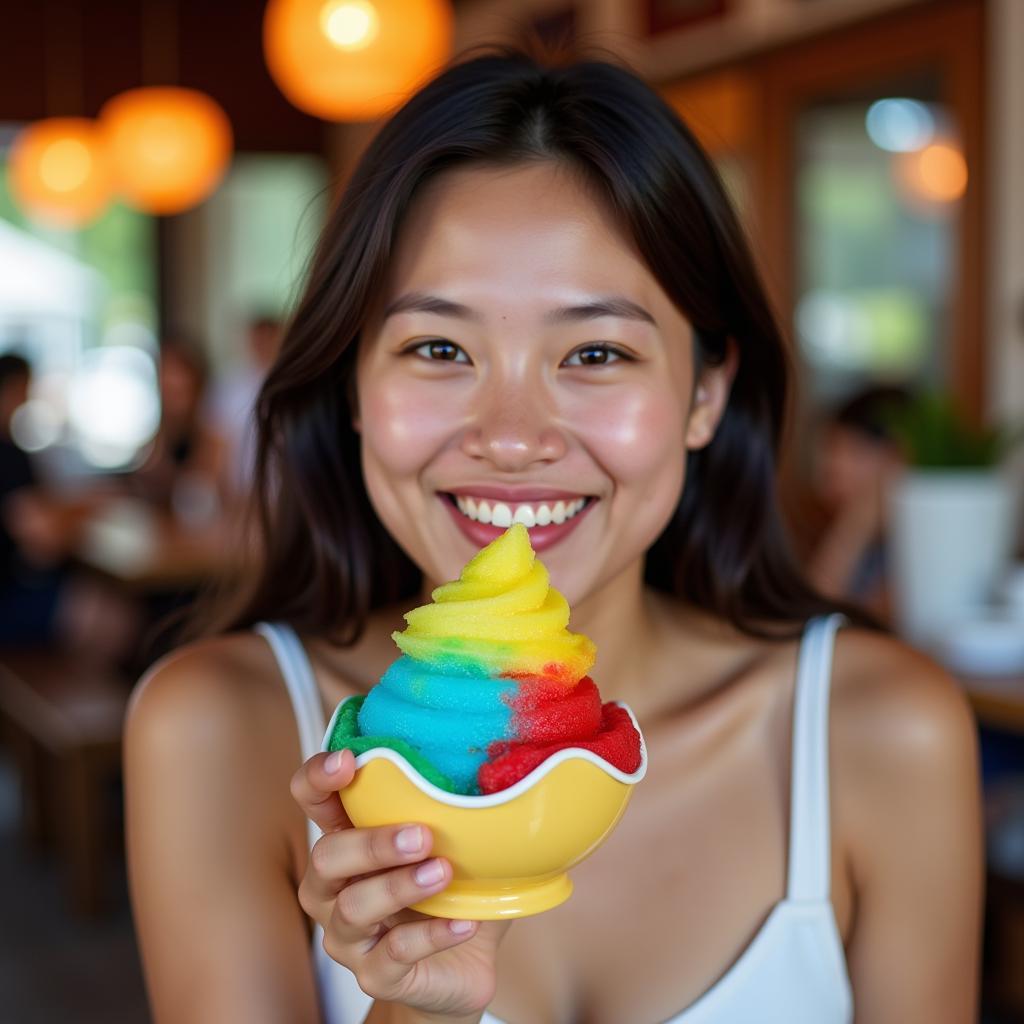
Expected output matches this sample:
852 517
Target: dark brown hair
327 559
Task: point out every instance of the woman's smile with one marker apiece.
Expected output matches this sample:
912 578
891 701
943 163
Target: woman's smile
484 513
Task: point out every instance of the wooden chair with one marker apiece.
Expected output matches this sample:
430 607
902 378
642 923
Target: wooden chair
65 723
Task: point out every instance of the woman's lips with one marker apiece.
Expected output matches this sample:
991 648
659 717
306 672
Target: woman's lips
541 537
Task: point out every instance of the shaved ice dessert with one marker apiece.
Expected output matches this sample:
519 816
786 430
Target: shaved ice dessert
490 682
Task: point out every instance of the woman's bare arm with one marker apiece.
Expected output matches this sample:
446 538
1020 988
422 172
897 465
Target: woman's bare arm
220 929
910 801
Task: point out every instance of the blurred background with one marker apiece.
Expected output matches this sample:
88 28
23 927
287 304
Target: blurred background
165 166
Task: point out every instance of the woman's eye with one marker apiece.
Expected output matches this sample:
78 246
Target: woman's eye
595 355
438 351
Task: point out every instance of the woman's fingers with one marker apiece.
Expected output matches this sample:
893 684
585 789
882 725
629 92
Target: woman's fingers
364 904
360 880
315 788
340 856
386 966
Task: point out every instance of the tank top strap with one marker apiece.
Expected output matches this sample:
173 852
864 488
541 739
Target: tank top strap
295 667
810 833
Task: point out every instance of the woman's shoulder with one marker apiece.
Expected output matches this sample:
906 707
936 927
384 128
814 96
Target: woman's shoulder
903 740
891 700
212 695
216 845
908 824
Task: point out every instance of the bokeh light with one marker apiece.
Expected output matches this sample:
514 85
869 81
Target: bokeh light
899 125
169 147
354 60
936 174
113 406
35 425
59 172
880 330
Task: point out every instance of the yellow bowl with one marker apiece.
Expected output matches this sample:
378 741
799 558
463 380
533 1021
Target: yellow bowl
510 850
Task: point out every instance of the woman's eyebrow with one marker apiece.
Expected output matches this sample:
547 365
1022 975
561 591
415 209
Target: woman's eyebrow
417 302
608 305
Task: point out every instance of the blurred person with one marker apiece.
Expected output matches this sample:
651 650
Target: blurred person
228 426
535 289
175 450
32 530
41 600
857 460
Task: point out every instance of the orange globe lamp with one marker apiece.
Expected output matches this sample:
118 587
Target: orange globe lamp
169 147
59 171
354 60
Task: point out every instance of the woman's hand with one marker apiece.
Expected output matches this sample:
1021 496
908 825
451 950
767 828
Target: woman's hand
358 886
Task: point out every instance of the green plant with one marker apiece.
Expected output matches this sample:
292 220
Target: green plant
935 434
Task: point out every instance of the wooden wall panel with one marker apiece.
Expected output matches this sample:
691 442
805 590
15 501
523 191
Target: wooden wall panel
219 50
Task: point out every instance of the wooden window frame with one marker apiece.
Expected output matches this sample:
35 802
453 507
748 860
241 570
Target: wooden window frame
945 35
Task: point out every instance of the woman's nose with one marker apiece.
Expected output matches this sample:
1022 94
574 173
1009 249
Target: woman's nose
513 430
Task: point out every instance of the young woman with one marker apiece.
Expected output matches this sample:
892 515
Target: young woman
534 290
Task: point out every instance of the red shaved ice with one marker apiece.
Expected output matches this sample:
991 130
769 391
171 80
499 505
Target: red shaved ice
617 741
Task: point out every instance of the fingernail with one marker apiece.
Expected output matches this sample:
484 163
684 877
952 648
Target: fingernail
333 762
409 840
429 873
460 927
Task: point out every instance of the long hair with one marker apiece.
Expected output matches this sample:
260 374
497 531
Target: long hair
326 559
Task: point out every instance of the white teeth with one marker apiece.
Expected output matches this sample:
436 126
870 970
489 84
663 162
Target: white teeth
525 515
503 515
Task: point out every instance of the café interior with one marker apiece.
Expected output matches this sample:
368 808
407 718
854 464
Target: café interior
166 168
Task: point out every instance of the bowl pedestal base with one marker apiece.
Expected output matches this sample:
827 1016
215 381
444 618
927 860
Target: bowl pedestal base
497 899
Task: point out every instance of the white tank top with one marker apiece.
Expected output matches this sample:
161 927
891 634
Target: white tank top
794 969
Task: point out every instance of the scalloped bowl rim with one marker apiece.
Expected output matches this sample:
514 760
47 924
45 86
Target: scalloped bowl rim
503 796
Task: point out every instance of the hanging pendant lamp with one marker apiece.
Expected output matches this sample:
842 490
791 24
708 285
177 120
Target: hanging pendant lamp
354 60
169 147
59 172
58 169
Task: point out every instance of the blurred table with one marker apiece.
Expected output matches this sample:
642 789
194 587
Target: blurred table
63 724
998 701
145 549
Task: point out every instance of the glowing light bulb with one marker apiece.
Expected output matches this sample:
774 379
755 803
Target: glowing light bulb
349 24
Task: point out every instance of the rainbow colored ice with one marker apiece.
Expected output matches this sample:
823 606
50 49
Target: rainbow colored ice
490 682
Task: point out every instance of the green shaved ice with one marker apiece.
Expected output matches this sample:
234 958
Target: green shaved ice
345 736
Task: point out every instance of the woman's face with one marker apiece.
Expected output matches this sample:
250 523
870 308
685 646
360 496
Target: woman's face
532 359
